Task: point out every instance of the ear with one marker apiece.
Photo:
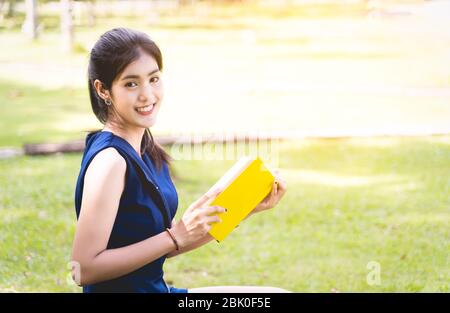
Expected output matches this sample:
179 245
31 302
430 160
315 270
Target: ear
102 92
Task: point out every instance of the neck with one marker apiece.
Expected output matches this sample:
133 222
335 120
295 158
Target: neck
132 135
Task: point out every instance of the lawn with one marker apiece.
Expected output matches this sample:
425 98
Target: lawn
32 115
350 202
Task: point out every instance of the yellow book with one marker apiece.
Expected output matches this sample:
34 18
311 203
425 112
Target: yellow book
245 185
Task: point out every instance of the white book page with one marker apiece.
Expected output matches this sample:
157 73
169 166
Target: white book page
231 174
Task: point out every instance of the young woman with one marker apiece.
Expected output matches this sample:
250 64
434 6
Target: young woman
125 199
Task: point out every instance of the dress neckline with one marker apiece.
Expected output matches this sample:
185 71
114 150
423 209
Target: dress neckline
144 158
140 156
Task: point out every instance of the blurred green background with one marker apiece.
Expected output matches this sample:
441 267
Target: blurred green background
358 90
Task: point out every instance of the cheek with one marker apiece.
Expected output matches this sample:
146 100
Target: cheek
160 90
160 96
124 97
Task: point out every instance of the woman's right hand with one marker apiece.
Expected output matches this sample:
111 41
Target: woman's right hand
196 221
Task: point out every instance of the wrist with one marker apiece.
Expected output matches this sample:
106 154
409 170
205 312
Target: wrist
177 232
174 239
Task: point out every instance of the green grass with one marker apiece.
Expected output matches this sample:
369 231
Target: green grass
33 115
349 202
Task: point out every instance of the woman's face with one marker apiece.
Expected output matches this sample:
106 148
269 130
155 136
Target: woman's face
137 93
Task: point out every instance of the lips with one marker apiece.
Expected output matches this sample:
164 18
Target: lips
145 110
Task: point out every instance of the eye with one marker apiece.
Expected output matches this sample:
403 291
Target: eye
130 84
154 79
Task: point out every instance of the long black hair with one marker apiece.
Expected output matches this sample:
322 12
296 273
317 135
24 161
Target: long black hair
109 57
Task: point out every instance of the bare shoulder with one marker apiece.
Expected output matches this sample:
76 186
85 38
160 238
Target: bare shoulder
104 183
106 164
109 159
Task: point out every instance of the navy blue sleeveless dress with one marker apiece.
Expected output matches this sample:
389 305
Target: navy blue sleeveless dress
147 206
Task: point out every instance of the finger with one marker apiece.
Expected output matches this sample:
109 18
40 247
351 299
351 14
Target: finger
281 192
214 192
205 197
274 190
206 227
213 219
273 198
214 210
281 182
271 194
282 185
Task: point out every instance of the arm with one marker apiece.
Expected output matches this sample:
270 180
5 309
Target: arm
103 186
278 190
194 218
200 242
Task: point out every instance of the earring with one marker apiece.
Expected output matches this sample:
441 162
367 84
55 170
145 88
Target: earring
108 102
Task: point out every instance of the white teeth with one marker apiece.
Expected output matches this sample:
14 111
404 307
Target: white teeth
145 109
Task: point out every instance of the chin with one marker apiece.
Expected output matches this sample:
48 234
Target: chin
149 124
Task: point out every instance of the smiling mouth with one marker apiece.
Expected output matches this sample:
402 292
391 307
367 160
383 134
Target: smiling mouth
146 108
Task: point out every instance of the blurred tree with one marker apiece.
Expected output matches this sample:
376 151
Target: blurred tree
67 25
83 11
186 2
30 25
2 4
11 6
90 4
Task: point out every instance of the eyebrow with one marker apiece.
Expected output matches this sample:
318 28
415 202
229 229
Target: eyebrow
137 76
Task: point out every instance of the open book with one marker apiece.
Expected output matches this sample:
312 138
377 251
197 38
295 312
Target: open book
243 187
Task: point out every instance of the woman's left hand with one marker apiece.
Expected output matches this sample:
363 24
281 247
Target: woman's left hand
278 190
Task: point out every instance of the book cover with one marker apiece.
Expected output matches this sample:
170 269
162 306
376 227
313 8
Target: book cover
245 185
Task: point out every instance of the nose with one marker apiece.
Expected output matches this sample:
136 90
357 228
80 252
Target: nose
148 94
